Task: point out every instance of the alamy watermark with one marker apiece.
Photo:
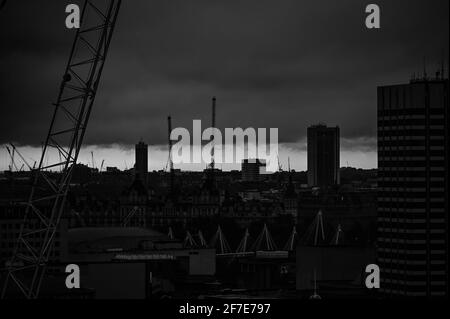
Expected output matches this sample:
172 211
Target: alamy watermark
235 145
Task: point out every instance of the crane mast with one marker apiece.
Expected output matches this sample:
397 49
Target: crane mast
213 125
169 127
72 109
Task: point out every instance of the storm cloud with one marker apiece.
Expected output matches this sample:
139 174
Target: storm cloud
285 64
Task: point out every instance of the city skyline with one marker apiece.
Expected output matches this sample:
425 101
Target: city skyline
123 157
210 150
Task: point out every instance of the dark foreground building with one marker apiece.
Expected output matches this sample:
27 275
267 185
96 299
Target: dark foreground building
413 188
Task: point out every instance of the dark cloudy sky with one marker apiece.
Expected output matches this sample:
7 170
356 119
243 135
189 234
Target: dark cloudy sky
271 63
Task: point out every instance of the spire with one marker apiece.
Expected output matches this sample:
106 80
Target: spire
202 239
292 240
243 245
315 234
189 241
220 243
264 241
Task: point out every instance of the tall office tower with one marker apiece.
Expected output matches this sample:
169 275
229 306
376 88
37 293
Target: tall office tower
141 166
323 155
413 188
252 170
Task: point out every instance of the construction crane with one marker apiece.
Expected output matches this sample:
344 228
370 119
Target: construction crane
11 155
72 110
169 128
213 125
280 167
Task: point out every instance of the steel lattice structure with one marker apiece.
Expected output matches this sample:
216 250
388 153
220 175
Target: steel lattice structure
73 106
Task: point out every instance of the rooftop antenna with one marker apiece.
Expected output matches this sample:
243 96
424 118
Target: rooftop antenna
338 236
289 164
315 295
424 68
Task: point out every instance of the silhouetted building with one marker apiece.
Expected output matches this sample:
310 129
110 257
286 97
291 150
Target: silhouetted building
413 188
323 155
141 166
251 170
136 263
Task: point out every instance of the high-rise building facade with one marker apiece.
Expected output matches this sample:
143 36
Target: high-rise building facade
323 155
141 166
413 188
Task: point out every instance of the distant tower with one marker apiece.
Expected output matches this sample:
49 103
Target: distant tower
323 156
141 166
